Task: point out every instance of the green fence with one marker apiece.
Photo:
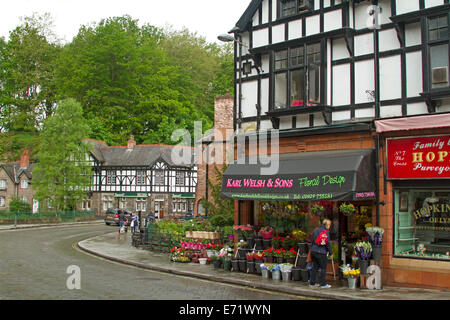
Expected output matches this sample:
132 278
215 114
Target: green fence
7 217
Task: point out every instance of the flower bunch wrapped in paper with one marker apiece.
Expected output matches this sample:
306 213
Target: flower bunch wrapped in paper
349 272
286 267
363 250
274 267
375 235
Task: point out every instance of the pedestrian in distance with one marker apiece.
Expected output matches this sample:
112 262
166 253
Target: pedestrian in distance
121 221
134 222
320 250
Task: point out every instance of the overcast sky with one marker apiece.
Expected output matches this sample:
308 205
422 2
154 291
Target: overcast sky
208 18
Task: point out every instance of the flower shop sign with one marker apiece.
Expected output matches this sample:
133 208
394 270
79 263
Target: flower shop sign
426 157
295 187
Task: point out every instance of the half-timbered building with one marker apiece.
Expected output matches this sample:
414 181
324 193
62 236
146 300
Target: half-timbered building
143 178
342 81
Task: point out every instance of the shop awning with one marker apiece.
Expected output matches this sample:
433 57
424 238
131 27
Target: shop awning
342 175
413 123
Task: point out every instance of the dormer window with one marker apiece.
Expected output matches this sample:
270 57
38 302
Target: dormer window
288 8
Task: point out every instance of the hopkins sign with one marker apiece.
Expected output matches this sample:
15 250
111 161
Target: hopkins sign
419 158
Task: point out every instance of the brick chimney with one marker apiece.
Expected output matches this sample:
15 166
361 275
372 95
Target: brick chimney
131 142
24 159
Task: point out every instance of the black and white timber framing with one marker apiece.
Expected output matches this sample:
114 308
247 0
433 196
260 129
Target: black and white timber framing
365 73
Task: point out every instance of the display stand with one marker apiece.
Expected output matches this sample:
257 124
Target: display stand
332 264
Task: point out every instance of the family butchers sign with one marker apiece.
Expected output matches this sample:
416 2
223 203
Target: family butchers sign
419 158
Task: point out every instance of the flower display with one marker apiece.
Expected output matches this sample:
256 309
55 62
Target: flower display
178 255
299 235
243 230
266 232
347 209
375 235
290 253
349 272
268 252
363 250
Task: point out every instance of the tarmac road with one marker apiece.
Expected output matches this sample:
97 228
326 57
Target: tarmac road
34 266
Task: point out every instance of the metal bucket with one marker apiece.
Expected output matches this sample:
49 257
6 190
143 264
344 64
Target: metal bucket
352 283
276 275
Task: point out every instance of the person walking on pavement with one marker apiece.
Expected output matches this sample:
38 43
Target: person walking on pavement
319 250
121 220
133 222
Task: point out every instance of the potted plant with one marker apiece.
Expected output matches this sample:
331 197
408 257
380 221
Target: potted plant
268 255
351 274
258 258
276 242
376 239
363 250
317 209
217 261
290 256
266 234
287 243
300 236
241 249
347 209
243 231
278 254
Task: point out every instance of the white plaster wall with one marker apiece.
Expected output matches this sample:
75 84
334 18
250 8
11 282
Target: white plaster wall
319 120
414 83
265 63
390 78
255 18
246 41
265 11
388 40
390 111
260 38
326 3
403 6
264 96
295 29
364 44
278 33
365 113
340 116
340 49
433 3
265 125
444 107
341 85
360 14
316 4
274 10
285 123
249 98
312 25
416 108
413 34
385 13
302 121
364 80
332 20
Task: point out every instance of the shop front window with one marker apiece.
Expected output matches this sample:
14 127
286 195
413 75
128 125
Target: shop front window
422 223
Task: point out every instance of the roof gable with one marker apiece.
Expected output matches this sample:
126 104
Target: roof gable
247 17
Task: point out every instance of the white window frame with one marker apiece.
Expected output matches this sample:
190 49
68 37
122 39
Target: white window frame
24 184
2 184
179 178
2 202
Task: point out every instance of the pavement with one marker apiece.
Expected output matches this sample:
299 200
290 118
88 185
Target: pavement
117 247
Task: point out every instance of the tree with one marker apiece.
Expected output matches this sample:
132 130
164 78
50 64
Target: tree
27 94
62 176
218 207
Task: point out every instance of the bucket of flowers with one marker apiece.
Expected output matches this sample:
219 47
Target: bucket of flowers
277 242
376 239
351 274
266 232
278 254
363 250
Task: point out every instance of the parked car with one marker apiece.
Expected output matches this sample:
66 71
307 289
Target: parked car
112 216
